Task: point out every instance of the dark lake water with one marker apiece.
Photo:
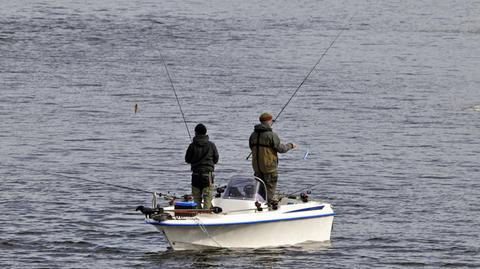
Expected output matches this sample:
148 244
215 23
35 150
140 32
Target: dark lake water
390 118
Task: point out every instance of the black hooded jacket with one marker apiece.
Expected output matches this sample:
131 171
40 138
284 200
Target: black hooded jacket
202 154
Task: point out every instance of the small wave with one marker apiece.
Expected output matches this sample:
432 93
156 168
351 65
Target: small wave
7 244
95 39
83 149
476 108
110 250
7 34
85 139
436 177
85 85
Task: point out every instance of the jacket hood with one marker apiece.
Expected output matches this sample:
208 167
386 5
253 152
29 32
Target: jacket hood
200 140
260 128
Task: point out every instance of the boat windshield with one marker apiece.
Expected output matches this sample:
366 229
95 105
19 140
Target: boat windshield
245 189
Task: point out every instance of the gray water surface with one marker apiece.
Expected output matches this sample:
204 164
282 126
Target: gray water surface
390 118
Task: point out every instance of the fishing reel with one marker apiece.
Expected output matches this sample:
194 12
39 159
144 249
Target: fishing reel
188 198
259 206
304 196
220 190
162 217
273 204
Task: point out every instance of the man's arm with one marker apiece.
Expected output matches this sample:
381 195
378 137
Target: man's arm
215 154
279 147
188 154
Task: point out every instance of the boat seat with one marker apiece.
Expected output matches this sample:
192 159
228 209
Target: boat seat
234 192
249 191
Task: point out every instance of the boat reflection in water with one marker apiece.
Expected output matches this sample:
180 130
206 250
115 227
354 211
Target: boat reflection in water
241 218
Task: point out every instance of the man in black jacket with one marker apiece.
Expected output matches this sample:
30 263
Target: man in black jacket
202 155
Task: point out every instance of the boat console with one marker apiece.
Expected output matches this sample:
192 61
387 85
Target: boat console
241 194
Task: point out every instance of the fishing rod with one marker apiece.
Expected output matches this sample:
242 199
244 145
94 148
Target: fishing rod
176 96
302 189
311 70
87 180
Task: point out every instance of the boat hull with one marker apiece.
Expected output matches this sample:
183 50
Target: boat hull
269 232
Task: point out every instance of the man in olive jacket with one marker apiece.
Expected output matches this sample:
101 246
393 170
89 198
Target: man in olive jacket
202 155
265 144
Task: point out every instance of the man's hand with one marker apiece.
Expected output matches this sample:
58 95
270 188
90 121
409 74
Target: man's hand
292 145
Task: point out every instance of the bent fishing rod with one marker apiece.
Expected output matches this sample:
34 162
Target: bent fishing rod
310 72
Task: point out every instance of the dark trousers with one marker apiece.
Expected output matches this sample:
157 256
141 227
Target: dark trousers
270 180
202 189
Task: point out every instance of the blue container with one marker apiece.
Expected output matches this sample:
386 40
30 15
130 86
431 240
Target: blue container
185 206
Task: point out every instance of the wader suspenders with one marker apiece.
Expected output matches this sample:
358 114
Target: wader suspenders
258 152
258 145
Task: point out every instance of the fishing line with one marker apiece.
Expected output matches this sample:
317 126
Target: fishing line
311 70
310 186
87 180
176 96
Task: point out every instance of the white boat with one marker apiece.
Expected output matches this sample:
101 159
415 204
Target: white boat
243 220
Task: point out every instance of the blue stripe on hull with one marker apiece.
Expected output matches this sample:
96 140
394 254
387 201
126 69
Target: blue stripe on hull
307 209
241 223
